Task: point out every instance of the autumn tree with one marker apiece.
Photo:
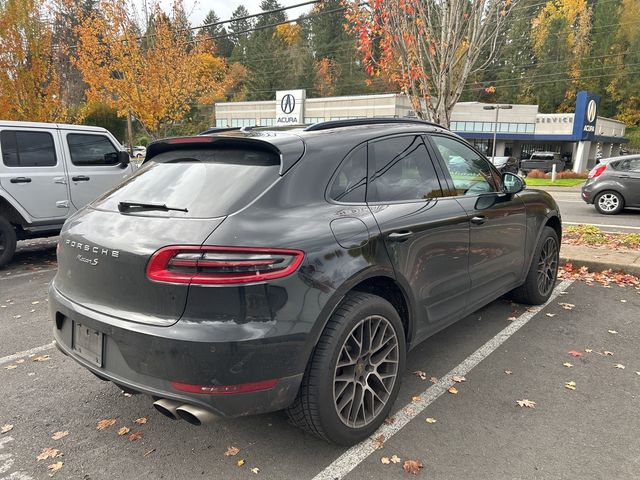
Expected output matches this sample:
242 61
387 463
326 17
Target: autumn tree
30 85
223 44
428 48
157 78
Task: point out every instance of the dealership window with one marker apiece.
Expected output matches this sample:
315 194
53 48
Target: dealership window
312 120
222 122
267 122
243 122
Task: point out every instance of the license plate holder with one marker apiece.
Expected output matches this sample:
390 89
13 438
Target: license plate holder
88 343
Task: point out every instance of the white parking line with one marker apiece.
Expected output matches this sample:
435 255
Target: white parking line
358 453
26 274
601 225
26 353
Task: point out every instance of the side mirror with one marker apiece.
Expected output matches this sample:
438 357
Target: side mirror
512 183
123 159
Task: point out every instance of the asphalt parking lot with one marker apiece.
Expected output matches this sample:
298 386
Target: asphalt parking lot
479 433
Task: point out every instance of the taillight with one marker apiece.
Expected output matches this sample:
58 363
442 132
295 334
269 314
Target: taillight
225 389
221 265
597 171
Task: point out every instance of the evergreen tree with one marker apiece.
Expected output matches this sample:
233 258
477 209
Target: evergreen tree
223 46
240 40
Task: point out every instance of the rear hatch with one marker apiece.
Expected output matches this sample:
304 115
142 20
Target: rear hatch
104 249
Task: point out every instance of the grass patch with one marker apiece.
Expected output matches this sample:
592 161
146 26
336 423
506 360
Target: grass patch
560 182
593 236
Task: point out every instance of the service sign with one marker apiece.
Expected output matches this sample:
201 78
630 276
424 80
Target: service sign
290 107
584 122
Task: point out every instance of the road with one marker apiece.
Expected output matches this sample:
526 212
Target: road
575 212
480 432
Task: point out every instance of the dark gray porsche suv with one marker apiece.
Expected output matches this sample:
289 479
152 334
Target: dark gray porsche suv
243 272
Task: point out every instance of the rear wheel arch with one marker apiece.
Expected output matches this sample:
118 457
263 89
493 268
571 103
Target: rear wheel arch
8 211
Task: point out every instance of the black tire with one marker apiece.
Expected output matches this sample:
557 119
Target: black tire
609 202
530 292
7 241
315 409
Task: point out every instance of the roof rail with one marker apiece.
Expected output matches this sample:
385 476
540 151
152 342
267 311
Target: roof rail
366 121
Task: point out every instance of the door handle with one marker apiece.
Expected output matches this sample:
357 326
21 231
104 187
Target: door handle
478 219
400 236
20 180
80 178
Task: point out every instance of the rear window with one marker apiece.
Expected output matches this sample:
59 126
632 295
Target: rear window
208 183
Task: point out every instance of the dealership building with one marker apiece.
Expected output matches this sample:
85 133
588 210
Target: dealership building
581 137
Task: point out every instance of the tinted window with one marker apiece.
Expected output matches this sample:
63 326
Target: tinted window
89 150
401 170
27 149
630 165
350 184
208 183
471 174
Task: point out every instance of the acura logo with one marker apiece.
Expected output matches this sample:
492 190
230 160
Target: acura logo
288 103
591 111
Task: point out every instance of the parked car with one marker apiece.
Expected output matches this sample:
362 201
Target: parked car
542 161
613 184
245 272
506 164
49 171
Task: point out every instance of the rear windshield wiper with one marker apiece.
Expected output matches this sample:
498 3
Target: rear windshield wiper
125 207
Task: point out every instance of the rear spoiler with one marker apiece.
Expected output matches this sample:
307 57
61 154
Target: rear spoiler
289 148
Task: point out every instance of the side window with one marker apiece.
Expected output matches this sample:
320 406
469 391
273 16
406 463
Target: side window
400 169
91 150
630 165
350 184
471 174
27 149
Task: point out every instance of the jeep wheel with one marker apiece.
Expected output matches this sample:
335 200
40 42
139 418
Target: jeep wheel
353 377
543 272
7 241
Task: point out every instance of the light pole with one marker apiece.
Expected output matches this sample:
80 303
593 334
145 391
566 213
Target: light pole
497 108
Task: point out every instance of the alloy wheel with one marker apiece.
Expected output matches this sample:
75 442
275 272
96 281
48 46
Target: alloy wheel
366 371
608 202
547 265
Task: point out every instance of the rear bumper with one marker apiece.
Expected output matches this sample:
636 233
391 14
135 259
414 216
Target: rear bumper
147 358
587 193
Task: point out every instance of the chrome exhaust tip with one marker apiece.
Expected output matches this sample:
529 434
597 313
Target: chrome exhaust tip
167 408
195 415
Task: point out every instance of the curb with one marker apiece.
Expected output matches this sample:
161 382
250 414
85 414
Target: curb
598 266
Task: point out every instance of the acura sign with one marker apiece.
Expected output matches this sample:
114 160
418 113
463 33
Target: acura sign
586 116
290 107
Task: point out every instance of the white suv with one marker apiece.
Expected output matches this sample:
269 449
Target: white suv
48 171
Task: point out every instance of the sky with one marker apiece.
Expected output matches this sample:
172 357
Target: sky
198 9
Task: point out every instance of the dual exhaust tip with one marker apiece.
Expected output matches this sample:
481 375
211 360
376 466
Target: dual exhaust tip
189 413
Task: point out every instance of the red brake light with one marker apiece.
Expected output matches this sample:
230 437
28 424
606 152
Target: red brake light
221 265
199 139
225 389
597 171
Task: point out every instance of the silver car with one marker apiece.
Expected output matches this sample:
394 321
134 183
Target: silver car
614 184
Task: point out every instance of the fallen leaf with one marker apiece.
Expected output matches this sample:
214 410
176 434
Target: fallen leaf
48 453
102 424
551 314
140 421
395 459
567 306
417 398
574 353
149 452
526 403
60 435
378 442
390 420
588 350
6 428
430 420
567 364
607 353
231 452
412 466
512 319
240 462
421 374
20 360
637 373
385 460
508 372
255 470
41 358
613 332
123 431
619 365
433 380
452 390
54 467
126 394
623 301
11 367
135 436
458 378
570 385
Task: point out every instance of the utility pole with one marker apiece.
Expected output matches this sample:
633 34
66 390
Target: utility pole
497 108
130 133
